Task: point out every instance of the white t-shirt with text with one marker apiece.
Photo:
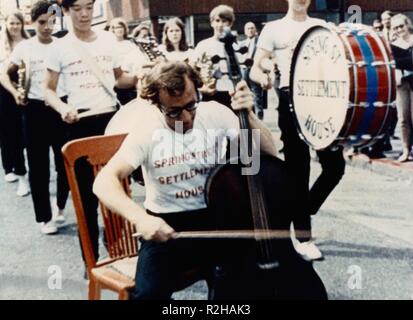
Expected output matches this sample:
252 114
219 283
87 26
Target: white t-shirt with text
35 54
281 37
83 88
176 166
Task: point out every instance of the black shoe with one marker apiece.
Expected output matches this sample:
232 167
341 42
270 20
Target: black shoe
376 155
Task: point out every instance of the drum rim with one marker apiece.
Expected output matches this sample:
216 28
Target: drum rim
386 54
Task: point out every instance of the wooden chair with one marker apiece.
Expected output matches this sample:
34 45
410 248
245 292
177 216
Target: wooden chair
117 272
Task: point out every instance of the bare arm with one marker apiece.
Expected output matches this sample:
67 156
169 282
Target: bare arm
258 73
109 190
68 113
125 80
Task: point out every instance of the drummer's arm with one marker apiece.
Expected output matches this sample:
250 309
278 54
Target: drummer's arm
258 73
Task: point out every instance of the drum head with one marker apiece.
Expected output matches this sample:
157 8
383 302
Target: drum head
320 87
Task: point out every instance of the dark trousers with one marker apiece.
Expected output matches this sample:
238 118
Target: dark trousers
11 134
161 265
297 158
87 127
260 99
260 95
43 129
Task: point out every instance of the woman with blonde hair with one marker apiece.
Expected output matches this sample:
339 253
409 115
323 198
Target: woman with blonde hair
11 126
174 45
402 49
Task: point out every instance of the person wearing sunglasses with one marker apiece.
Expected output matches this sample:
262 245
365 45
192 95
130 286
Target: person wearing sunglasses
177 147
402 49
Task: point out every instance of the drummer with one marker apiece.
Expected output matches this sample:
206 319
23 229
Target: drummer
275 41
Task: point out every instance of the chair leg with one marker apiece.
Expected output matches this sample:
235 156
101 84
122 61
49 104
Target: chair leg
123 295
94 289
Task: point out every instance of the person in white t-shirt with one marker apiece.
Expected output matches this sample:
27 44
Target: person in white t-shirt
126 48
279 38
220 17
34 54
11 123
177 148
88 65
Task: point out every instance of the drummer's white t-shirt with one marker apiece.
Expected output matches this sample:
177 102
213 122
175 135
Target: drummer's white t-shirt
35 54
83 88
281 37
176 166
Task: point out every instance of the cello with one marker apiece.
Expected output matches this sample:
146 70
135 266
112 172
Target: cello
266 266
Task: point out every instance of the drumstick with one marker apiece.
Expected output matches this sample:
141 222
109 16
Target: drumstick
238 234
94 112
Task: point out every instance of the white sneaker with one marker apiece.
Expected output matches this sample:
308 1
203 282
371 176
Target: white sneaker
10 177
308 250
23 188
58 214
48 227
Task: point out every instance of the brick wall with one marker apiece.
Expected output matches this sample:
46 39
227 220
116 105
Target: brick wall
135 10
191 7
394 5
131 10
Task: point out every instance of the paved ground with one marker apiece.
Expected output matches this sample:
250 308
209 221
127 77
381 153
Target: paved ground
365 230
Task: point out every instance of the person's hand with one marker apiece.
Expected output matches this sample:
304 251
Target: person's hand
155 229
20 99
266 80
208 90
242 98
140 71
70 115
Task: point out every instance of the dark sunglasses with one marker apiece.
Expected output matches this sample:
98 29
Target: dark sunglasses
399 27
174 113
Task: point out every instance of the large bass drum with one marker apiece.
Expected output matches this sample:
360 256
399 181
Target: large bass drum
343 86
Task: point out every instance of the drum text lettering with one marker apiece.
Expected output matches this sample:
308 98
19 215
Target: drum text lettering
322 89
321 130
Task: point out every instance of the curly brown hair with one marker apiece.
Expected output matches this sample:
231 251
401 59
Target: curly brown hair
171 77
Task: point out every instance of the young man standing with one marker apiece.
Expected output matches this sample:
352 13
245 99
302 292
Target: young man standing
280 38
34 54
221 17
87 63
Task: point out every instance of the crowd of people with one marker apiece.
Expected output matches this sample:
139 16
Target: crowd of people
82 82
